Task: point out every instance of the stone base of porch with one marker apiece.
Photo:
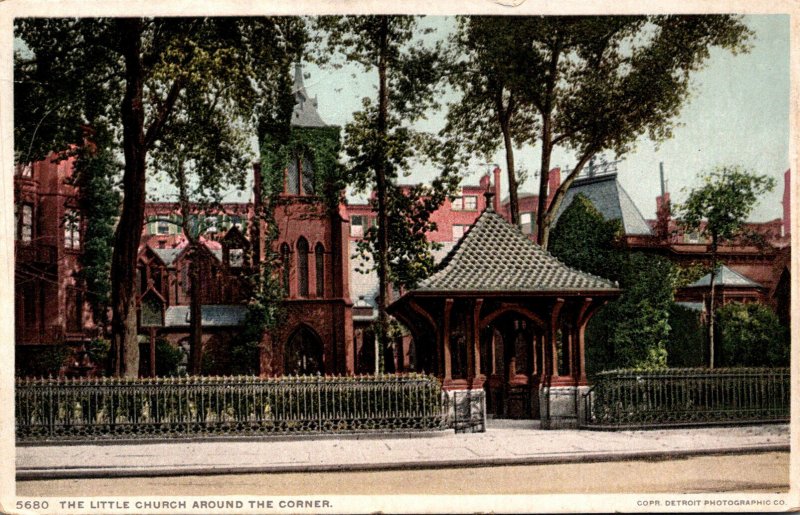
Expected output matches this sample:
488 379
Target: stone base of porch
466 410
561 407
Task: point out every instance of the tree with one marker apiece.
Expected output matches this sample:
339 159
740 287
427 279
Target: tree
379 146
94 176
751 336
593 84
718 211
131 76
491 95
585 240
632 331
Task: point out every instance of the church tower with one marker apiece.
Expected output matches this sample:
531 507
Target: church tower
300 181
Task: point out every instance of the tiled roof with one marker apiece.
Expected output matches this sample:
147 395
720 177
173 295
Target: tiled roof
213 315
496 256
725 277
611 199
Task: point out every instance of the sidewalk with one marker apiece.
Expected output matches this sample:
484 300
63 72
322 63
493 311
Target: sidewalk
505 442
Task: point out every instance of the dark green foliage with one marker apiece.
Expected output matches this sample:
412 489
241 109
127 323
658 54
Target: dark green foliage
751 335
380 145
632 331
40 361
718 210
583 239
95 175
153 84
97 352
168 357
686 338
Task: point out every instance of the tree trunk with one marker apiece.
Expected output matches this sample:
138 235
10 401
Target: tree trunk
542 232
196 313
712 302
381 339
125 345
504 116
195 286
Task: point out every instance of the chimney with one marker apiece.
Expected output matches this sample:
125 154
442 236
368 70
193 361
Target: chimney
553 182
496 189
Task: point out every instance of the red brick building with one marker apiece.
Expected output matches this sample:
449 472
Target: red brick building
50 312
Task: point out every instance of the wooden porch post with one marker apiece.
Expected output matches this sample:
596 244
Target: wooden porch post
582 320
448 366
476 332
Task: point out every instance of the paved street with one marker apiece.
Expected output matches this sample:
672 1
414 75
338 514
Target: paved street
505 443
762 472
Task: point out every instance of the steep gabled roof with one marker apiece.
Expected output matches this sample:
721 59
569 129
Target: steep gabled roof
610 198
725 277
495 256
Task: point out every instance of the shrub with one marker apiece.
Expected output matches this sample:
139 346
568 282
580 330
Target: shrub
751 335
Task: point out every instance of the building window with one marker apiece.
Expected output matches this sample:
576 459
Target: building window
300 176
285 264
527 222
458 231
162 227
24 170
302 267
236 258
236 221
692 237
465 203
357 223
319 256
26 224
308 176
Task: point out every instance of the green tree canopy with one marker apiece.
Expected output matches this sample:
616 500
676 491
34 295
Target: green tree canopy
718 210
379 145
751 336
588 84
136 78
632 331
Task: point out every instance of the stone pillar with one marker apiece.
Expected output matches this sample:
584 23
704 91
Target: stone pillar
561 406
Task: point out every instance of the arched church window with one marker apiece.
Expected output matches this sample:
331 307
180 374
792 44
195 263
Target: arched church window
293 178
319 256
300 176
302 267
308 176
285 265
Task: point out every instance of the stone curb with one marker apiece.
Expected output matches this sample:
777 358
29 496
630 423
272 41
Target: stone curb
540 459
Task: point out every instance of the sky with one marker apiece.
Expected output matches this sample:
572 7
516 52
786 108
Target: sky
737 114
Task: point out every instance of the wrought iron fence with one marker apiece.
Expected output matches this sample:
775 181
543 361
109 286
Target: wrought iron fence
642 399
110 408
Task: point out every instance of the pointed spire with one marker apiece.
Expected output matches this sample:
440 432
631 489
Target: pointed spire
305 110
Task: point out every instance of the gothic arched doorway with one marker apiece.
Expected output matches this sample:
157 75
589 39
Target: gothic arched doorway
303 353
